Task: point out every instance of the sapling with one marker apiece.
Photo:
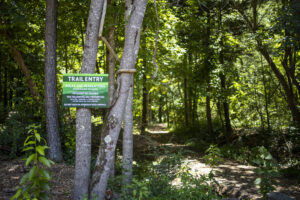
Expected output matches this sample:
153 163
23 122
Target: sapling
34 185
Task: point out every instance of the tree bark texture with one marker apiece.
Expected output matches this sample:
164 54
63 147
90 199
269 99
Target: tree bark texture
128 118
128 139
113 122
51 108
83 115
111 63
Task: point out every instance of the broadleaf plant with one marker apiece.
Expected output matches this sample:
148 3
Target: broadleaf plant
35 184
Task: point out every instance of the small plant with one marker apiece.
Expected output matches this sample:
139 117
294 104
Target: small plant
267 170
214 156
34 185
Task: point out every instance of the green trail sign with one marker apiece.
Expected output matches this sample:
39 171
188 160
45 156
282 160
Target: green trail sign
85 90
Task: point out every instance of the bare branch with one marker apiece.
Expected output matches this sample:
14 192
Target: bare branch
110 49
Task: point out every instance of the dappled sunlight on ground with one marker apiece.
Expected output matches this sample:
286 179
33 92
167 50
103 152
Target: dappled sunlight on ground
235 179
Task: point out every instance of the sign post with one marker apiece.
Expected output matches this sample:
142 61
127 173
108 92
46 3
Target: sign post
85 90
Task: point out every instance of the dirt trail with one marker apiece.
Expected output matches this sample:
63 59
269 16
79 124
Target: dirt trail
235 180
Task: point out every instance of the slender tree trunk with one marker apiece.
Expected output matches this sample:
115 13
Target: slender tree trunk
128 139
228 128
128 117
51 108
208 109
111 63
113 122
145 105
220 114
160 109
32 86
186 109
83 115
263 50
1 70
288 93
167 111
5 88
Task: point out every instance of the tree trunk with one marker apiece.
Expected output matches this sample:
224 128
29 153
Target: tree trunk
208 109
5 88
167 111
145 105
112 124
111 64
267 100
83 115
128 118
186 109
32 86
160 109
228 128
128 139
1 83
51 108
288 93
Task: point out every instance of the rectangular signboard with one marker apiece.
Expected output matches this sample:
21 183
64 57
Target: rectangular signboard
85 90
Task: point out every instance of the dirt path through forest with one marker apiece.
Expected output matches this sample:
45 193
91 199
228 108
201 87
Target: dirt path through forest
236 180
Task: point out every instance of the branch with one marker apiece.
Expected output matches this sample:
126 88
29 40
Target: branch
110 49
156 42
102 18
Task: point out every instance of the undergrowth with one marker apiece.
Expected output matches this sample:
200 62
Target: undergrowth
166 178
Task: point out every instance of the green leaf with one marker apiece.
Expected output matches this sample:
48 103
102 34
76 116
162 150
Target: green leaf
28 148
29 143
40 150
17 195
32 172
45 161
30 158
45 186
24 179
37 136
27 139
45 173
257 181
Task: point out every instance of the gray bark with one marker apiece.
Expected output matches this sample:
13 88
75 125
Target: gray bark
113 122
127 149
128 139
51 108
111 63
83 115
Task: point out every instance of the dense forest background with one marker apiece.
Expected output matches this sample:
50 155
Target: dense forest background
228 74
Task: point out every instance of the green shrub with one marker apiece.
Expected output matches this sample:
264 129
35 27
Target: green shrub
34 185
266 171
213 156
168 179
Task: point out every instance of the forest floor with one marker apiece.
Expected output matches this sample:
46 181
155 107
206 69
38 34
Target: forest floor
236 180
